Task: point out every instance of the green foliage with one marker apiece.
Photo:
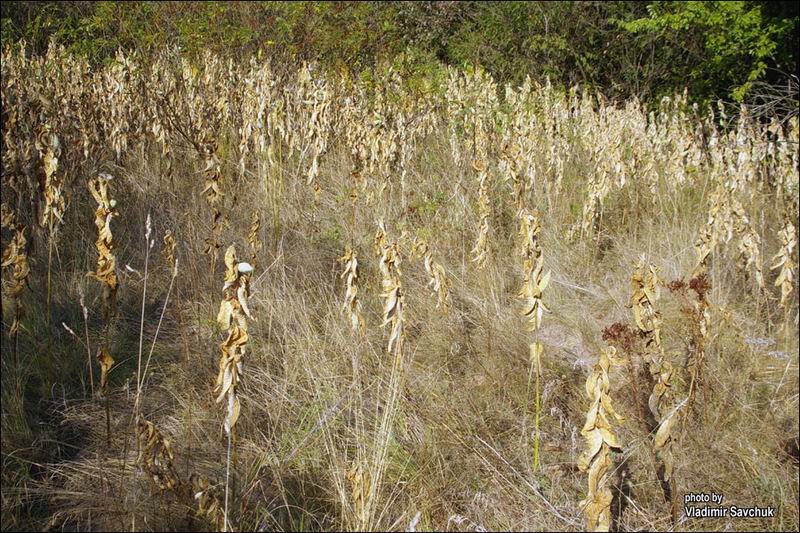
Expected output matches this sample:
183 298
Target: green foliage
726 45
624 49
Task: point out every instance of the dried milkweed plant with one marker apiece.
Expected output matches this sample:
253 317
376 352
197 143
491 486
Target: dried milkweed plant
392 294
49 147
352 303
481 249
536 280
645 295
367 473
106 271
233 316
209 505
452 156
169 250
749 253
437 277
533 286
253 238
155 456
156 459
16 254
785 262
600 442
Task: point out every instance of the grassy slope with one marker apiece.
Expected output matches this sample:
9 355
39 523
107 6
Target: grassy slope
461 452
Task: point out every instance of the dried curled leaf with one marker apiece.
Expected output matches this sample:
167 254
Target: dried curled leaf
169 251
155 456
106 362
352 304
253 239
209 503
535 281
437 278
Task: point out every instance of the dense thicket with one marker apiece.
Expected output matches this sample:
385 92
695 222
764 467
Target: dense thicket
716 49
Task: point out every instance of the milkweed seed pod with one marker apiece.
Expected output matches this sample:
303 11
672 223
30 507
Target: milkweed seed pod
169 251
209 503
233 315
155 456
352 304
600 441
785 263
252 238
535 281
16 254
106 271
437 278
392 293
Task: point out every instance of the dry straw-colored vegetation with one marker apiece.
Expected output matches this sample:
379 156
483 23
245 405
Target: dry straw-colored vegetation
366 397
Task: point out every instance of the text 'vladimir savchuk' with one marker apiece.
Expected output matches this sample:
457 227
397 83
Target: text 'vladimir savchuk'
715 509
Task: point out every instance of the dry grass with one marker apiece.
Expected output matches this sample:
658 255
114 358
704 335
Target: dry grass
343 424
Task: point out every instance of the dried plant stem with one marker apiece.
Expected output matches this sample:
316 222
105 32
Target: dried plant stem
534 283
278 198
108 423
88 352
49 315
141 385
141 319
227 477
16 364
538 409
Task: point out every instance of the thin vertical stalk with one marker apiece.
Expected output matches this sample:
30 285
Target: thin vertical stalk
141 320
536 426
49 316
227 476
